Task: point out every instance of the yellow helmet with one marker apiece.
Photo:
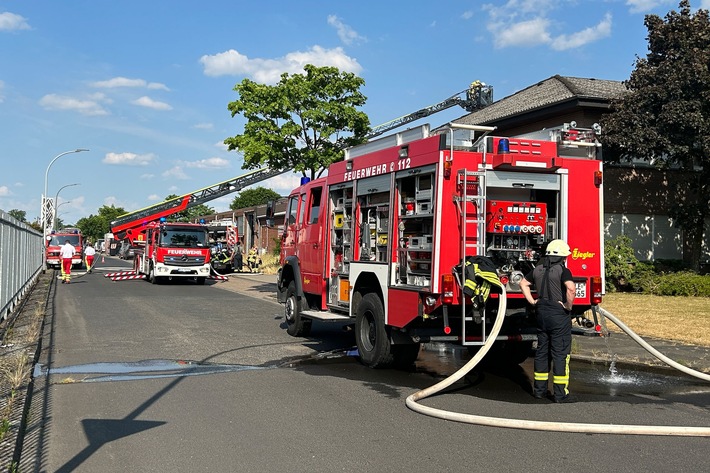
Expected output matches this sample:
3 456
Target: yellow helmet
558 248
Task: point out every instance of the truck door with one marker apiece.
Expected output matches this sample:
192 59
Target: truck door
311 243
288 240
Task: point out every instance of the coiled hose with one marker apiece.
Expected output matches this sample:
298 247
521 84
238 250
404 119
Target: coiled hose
662 430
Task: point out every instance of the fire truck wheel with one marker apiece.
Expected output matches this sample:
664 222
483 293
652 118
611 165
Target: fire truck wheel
373 344
151 276
296 326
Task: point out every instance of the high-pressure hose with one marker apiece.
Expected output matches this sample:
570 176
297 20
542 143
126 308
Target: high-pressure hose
653 351
412 400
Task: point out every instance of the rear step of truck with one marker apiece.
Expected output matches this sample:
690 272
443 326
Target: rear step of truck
325 316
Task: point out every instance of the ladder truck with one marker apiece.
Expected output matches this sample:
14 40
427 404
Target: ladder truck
381 242
167 250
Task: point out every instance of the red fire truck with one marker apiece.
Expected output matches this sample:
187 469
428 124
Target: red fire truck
171 250
378 241
176 250
56 239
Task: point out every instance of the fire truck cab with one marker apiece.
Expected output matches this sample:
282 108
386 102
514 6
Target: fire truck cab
56 239
382 239
171 250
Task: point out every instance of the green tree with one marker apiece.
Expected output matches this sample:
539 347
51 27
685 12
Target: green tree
20 215
92 227
665 116
252 197
96 226
302 123
190 214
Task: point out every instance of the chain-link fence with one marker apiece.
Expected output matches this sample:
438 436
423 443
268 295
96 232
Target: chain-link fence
20 261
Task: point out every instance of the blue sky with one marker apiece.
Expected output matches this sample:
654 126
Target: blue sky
144 85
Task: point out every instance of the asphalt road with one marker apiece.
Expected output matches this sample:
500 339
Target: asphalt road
186 378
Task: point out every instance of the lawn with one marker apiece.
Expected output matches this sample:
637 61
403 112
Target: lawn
685 319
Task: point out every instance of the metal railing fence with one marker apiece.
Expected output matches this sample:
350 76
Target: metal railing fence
20 261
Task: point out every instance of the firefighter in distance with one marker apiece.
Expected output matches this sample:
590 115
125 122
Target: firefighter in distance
556 292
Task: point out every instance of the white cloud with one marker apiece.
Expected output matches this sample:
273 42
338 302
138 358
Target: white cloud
524 33
147 102
172 189
644 6
60 102
221 145
467 15
12 22
204 126
175 173
209 163
705 4
146 176
521 23
587 35
268 71
346 34
154 198
128 159
283 183
125 82
5 191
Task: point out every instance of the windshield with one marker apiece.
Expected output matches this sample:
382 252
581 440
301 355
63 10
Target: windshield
58 240
184 237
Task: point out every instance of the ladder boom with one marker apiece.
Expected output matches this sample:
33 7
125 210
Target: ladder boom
477 96
154 212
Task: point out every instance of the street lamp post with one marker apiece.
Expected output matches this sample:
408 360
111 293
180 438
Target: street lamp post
56 214
44 202
56 205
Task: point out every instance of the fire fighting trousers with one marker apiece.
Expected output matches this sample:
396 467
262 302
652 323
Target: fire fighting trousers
89 262
554 343
66 269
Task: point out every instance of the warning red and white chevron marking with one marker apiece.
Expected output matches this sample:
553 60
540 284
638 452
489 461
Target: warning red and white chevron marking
219 278
119 273
128 277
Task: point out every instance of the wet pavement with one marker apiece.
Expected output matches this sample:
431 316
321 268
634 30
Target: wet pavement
617 350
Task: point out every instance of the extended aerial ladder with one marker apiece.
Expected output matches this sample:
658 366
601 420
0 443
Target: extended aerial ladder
126 223
477 96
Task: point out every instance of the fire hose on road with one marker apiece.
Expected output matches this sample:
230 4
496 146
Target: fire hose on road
413 400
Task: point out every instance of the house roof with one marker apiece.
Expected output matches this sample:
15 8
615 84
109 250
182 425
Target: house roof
555 90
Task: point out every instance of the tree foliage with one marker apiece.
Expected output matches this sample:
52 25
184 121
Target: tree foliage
252 197
302 123
20 215
191 214
665 116
96 226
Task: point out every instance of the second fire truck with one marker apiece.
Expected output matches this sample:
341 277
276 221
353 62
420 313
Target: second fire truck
382 239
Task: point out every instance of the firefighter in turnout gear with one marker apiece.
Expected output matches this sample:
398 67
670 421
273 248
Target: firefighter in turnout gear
556 292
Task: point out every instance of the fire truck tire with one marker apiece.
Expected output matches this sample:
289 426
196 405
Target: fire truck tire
152 278
373 343
296 326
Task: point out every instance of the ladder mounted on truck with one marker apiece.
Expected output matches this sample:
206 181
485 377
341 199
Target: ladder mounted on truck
139 217
477 96
471 204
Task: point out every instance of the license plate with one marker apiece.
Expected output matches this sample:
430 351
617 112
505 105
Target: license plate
182 270
580 290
